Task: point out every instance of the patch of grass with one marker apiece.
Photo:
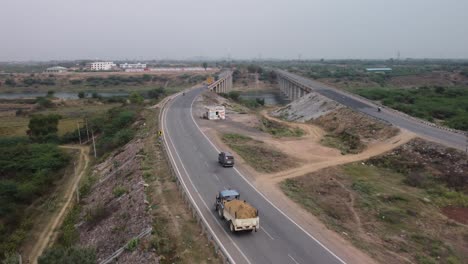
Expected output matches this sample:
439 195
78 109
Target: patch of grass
259 156
279 130
68 234
347 143
119 191
68 255
132 244
97 213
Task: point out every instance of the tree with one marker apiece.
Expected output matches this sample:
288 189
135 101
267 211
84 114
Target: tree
50 94
81 95
44 102
95 95
146 77
205 65
439 89
10 82
43 127
136 98
156 93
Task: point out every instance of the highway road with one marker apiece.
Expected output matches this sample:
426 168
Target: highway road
279 240
445 137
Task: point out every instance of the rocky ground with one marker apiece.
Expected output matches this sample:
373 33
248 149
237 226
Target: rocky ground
116 210
308 107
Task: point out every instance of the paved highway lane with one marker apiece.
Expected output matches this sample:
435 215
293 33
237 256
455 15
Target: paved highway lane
279 240
448 138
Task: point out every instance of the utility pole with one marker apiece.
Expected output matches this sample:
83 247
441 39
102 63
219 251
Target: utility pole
79 134
94 143
87 131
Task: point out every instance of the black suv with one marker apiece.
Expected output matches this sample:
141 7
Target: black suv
226 159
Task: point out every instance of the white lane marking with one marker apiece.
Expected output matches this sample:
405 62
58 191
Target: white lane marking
268 234
206 164
264 197
216 176
293 259
206 206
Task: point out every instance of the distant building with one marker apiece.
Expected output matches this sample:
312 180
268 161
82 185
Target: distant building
132 66
378 69
101 65
56 69
180 69
135 70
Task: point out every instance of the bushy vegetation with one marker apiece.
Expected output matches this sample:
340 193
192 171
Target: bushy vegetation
44 102
37 81
157 93
68 255
449 104
250 103
27 172
345 141
115 80
44 128
114 128
279 130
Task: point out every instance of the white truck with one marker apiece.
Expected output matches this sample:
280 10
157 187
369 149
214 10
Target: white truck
239 214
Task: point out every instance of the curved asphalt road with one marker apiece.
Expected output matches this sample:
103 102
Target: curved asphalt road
445 137
194 157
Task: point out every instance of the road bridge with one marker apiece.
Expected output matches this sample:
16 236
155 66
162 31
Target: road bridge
295 86
223 84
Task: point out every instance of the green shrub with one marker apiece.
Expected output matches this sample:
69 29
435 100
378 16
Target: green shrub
68 255
132 244
119 191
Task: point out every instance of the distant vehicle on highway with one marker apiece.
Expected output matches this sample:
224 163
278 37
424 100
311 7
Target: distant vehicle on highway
226 159
239 214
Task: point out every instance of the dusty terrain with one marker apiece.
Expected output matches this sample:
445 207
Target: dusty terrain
345 119
404 206
310 106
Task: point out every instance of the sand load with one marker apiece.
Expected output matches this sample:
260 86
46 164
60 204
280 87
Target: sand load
240 209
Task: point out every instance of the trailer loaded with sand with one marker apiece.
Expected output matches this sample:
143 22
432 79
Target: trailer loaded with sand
238 213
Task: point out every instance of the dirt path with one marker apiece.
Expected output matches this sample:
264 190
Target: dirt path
48 234
372 150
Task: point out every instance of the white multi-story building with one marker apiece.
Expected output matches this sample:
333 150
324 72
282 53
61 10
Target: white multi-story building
101 65
133 65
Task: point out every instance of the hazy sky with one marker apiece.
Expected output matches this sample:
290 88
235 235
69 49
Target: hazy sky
180 29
